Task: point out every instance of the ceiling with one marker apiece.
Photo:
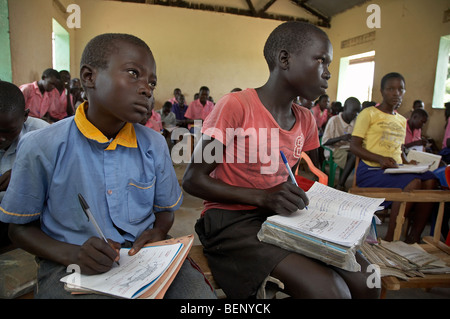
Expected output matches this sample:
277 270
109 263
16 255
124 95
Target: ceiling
319 12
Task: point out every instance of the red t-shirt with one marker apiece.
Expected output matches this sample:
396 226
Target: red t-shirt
253 141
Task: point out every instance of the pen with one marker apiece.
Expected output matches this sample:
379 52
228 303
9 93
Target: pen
91 218
289 170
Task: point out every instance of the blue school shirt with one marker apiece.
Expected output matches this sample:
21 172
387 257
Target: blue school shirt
8 157
124 181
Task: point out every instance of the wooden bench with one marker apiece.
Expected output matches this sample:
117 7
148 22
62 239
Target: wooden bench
426 282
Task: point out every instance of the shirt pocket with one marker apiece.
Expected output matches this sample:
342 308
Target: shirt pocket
140 198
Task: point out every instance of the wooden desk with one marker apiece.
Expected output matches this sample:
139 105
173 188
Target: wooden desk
414 196
427 282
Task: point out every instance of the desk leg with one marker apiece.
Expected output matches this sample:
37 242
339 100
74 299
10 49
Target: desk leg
400 220
438 225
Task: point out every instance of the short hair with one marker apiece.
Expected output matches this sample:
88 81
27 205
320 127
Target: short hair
351 101
292 36
11 98
204 88
420 112
392 75
98 50
51 73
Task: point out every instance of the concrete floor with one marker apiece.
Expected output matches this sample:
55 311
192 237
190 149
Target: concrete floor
191 208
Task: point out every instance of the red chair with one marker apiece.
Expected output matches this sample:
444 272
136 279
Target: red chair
305 183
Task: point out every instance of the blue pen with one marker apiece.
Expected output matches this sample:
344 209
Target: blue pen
289 170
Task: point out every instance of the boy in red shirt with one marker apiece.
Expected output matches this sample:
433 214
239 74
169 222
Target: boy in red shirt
238 171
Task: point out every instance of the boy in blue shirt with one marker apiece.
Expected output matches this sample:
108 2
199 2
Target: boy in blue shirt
123 170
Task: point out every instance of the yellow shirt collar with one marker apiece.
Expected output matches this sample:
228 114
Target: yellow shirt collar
126 136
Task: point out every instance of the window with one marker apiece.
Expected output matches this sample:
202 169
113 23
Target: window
442 82
61 47
5 48
356 74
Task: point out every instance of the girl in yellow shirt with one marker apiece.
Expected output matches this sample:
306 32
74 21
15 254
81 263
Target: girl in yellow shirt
377 140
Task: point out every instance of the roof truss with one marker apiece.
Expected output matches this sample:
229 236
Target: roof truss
250 12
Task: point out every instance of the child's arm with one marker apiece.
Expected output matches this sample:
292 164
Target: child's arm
94 256
357 149
283 199
161 227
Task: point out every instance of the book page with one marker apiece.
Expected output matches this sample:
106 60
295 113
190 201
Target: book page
407 168
133 274
424 158
332 215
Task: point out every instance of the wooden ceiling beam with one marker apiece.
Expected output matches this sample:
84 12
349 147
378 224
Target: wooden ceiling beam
223 9
326 21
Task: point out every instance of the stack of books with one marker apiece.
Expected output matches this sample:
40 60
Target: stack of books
331 229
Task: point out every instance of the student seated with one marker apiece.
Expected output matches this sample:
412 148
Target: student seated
337 136
176 96
414 124
14 124
152 119
179 108
321 112
199 109
377 139
65 106
168 118
123 170
242 185
76 92
169 123
42 95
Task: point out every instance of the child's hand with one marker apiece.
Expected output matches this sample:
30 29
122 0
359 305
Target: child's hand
96 256
148 236
388 162
285 199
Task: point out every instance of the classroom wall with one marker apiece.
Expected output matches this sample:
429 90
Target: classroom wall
407 42
194 48
31 36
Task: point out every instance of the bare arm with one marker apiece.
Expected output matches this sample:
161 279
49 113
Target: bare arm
357 149
283 199
94 256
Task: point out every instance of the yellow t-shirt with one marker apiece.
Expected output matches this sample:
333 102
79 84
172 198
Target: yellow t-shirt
382 133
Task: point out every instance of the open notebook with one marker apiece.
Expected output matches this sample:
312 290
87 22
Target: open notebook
331 230
148 274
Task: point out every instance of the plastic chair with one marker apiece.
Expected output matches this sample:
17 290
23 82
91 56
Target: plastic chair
332 166
305 183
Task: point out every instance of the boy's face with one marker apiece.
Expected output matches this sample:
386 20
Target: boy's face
324 103
50 83
11 124
123 90
418 121
203 96
309 72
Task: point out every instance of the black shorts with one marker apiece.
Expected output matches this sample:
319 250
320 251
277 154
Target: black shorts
239 262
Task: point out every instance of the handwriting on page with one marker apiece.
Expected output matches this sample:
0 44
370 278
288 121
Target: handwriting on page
333 215
134 272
